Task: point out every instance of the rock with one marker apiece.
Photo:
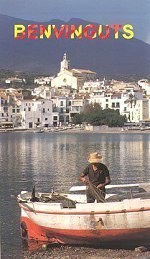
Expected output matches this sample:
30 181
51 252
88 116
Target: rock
44 247
141 249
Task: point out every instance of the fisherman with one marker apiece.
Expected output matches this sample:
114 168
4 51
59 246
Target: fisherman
95 176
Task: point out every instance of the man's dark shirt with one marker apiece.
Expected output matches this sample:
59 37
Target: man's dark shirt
96 177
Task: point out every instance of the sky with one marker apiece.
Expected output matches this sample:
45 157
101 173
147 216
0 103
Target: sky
135 12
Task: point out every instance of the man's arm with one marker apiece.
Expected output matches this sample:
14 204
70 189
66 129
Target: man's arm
107 181
84 176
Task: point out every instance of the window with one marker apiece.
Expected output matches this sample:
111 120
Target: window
5 109
29 109
106 100
106 105
55 118
113 105
61 119
43 110
118 105
61 103
69 103
13 110
24 109
2 114
30 125
61 109
67 118
46 119
18 110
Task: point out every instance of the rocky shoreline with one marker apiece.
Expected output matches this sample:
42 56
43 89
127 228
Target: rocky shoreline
65 252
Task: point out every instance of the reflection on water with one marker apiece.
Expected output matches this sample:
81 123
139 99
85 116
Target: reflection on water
48 160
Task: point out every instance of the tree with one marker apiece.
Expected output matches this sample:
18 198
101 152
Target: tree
95 115
132 100
77 119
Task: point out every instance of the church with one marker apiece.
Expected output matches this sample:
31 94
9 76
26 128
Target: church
71 78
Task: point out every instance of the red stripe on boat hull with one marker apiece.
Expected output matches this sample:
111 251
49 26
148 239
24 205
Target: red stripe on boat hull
86 237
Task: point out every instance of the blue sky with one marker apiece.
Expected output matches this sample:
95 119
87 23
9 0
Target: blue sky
135 12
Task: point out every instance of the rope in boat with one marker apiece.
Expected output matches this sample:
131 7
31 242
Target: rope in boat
97 193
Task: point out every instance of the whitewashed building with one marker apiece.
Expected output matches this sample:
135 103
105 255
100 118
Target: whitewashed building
62 105
131 104
91 86
43 80
145 85
77 106
15 80
137 111
4 108
42 91
38 113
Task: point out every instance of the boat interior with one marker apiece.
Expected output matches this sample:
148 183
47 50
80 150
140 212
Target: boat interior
53 197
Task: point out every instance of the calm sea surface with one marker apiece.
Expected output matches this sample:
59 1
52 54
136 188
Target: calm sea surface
55 160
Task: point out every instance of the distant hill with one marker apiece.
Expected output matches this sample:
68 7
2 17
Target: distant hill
106 57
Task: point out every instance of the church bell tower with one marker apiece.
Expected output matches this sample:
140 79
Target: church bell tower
64 65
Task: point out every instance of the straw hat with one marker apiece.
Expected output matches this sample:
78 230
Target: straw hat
95 157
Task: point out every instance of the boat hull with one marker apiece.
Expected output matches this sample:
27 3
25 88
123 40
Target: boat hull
87 224
85 237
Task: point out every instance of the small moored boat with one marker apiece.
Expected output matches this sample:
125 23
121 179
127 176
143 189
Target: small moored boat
55 218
